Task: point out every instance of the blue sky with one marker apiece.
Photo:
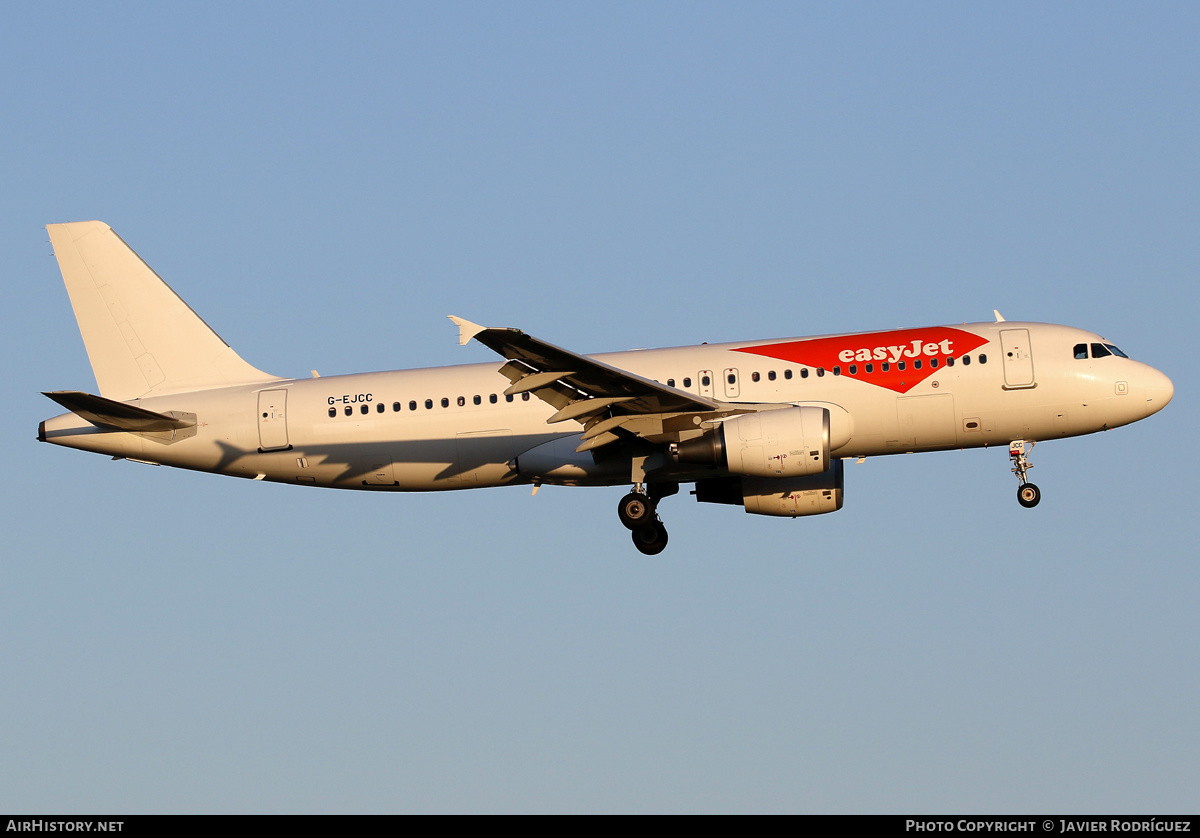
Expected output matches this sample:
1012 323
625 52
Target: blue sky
323 184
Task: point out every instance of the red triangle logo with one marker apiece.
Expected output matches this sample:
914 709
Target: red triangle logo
897 360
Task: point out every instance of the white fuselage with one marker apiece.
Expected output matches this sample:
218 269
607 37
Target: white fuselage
452 427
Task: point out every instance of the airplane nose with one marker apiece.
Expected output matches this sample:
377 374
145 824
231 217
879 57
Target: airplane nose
1159 391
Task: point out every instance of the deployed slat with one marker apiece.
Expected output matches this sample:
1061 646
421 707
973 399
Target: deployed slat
596 442
585 406
604 425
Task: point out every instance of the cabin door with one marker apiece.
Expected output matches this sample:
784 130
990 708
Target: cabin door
1018 358
272 420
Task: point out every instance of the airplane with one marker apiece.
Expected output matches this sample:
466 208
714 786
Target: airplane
765 425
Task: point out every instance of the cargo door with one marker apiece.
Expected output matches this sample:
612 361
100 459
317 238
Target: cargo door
1018 359
926 421
380 473
272 420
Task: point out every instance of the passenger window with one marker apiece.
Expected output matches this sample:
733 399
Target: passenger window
885 366
870 368
445 402
917 364
364 410
837 370
933 363
395 407
380 408
754 376
687 382
429 404
705 381
478 400
492 398
349 410
1081 352
731 378
771 375
508 398
1098 351
670 382
788 374
524 397
332 412
900 366
966 360
412 405
854 369
982 359
462 400
950 361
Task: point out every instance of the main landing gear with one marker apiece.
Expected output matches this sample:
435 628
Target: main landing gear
638 512
1028 494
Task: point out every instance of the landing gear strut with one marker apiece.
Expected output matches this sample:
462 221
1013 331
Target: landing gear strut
1028 494
638 512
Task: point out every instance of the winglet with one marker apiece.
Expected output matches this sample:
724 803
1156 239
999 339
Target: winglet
999 316
466 329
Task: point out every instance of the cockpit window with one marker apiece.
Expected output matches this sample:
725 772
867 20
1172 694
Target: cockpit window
1098 351
1081 352
1114 350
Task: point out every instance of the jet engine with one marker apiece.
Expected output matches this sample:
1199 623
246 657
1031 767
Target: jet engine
812 494
775 444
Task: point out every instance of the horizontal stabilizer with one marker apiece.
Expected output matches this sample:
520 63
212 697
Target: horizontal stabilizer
106 413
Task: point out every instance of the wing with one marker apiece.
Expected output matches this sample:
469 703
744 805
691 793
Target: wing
605 399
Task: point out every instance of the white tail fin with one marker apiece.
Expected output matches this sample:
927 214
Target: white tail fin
141 338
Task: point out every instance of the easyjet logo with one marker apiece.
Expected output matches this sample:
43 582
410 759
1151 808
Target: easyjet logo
898 360
896 353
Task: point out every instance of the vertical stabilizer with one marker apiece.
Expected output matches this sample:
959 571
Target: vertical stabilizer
141 338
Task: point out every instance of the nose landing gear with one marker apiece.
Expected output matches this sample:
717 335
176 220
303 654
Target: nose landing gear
638 513
1028 494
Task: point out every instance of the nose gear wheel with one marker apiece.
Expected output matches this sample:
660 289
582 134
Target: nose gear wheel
1028 495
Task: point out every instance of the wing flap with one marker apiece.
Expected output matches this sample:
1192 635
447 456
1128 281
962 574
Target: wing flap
568 381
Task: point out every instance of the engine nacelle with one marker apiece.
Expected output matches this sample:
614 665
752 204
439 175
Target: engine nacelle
812 494
775 444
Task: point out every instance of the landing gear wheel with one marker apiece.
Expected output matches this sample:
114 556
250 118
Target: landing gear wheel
1028 495
635 511
650 539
